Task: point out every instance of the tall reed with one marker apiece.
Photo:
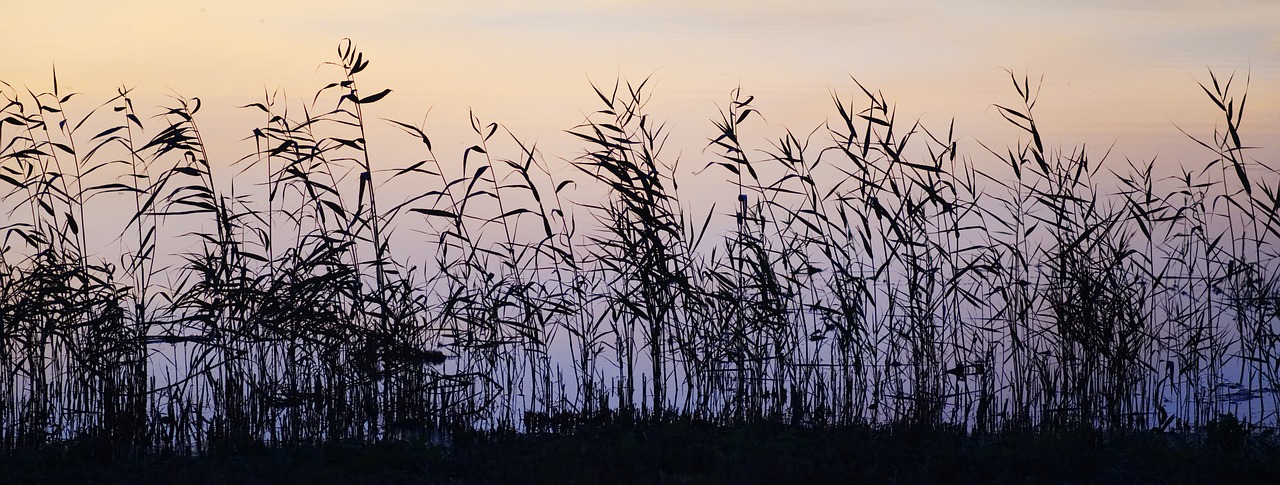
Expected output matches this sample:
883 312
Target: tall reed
869 271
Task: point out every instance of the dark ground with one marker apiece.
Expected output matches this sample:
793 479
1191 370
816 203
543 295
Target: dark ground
683 452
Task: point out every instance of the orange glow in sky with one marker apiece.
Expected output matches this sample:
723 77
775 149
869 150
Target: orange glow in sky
1119 72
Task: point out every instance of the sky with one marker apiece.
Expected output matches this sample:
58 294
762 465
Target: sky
1114 72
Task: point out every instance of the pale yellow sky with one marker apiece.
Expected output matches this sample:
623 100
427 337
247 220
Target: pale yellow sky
1113 71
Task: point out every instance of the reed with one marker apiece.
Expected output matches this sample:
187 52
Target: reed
870 272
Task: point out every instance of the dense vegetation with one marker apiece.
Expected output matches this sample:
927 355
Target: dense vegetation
682 451
869 273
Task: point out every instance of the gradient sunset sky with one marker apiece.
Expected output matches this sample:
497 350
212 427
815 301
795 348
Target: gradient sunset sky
1114 71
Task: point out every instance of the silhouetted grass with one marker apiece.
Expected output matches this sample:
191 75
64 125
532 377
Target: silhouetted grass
872 276
688 451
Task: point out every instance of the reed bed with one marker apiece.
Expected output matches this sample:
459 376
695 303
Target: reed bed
873 271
